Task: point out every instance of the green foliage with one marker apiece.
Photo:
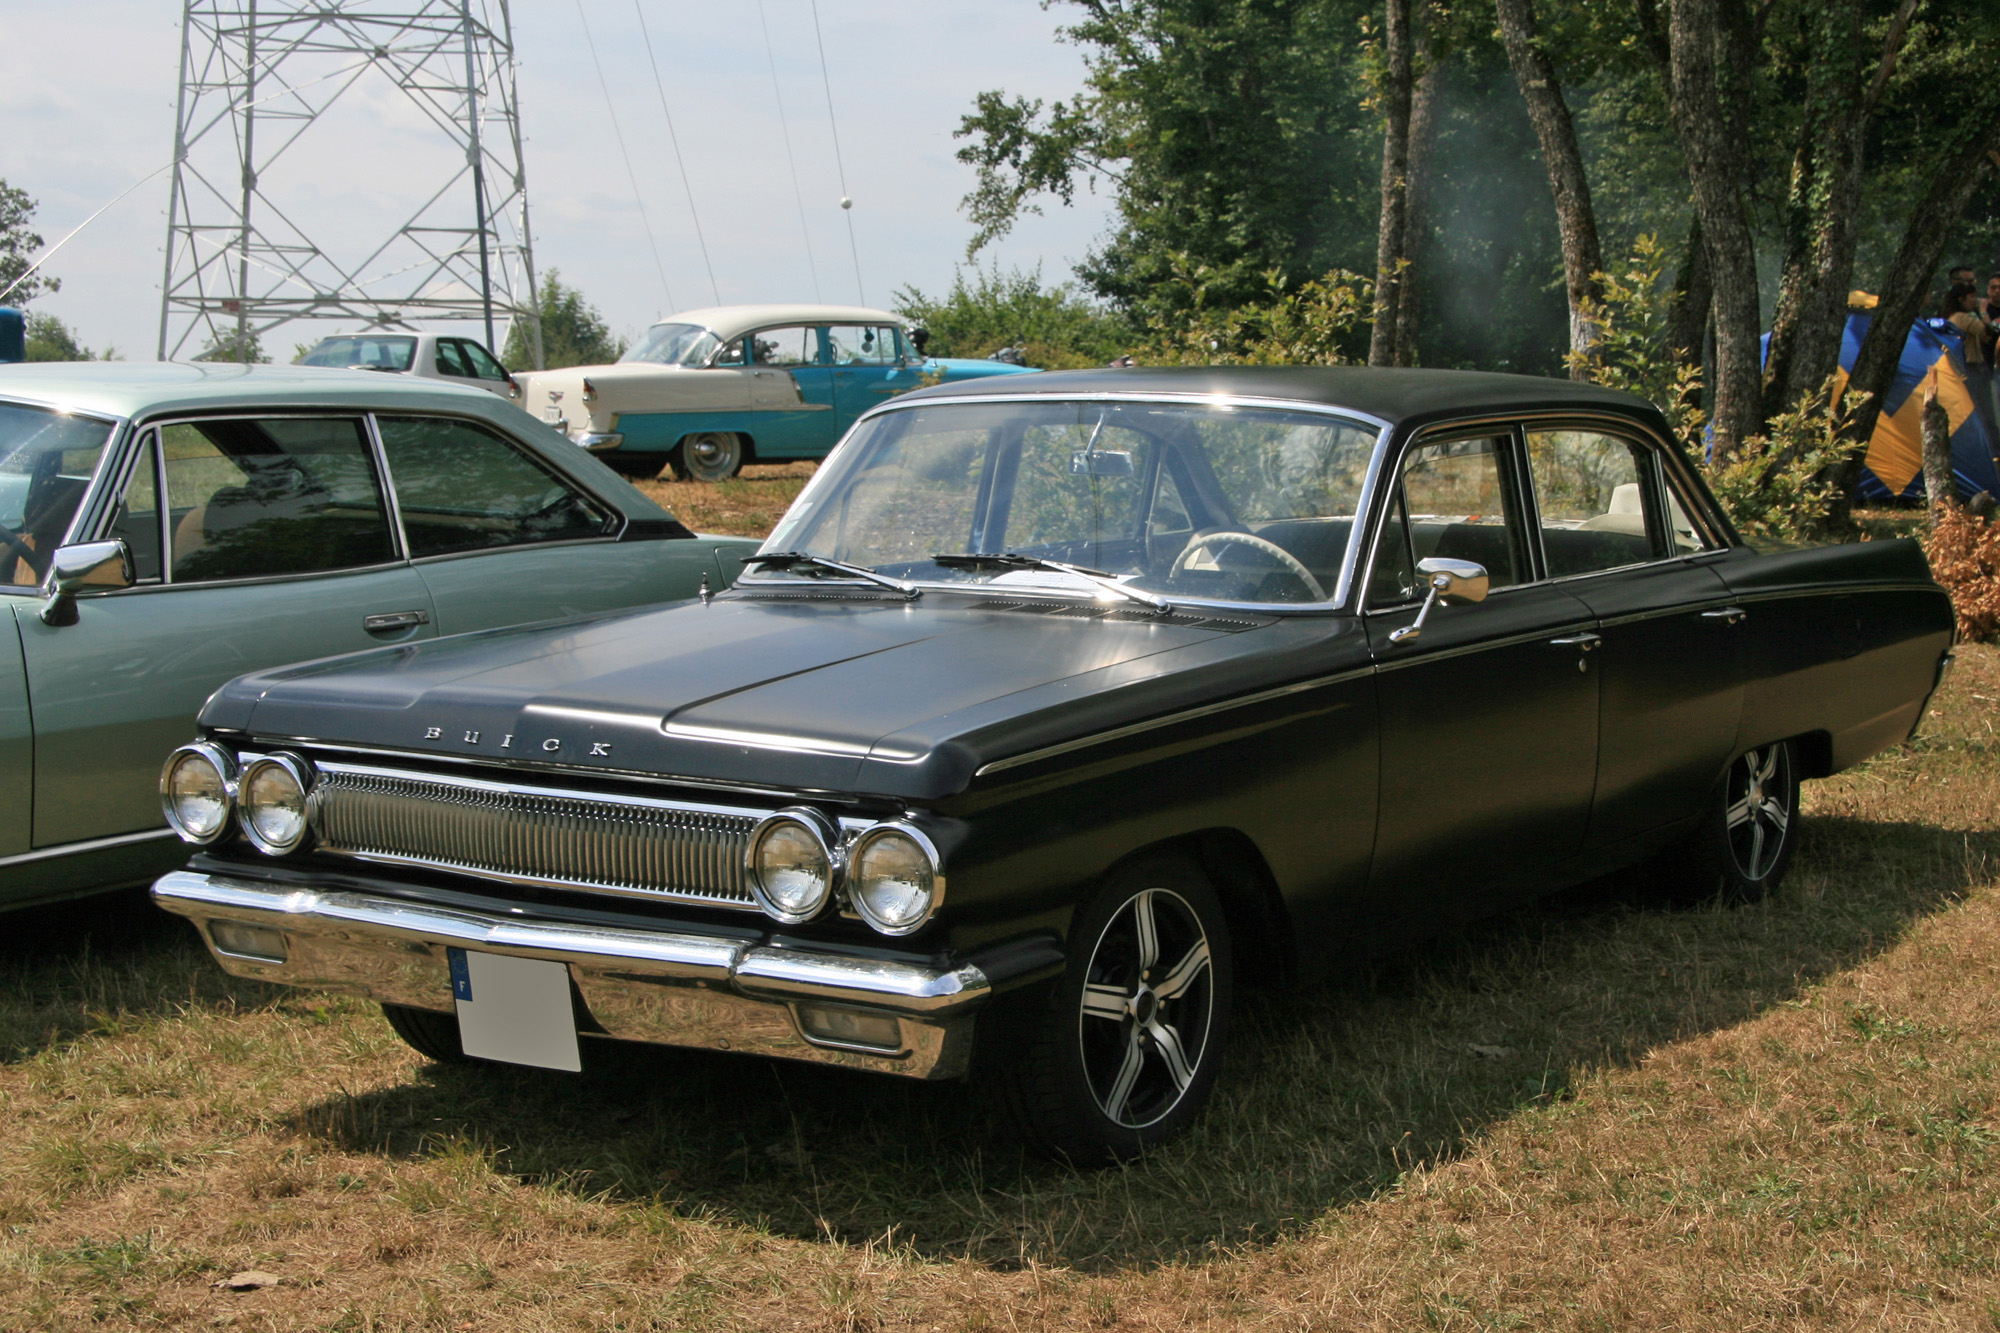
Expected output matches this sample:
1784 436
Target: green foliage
1781 486
246 348
49 339
1057 328
18 247
573 332
1322 322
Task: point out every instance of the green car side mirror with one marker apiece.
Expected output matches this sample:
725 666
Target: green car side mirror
74 568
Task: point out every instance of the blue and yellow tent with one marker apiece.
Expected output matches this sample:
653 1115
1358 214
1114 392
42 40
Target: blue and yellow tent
1894 464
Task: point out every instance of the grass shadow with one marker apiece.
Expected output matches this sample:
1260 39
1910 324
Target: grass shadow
1331 1093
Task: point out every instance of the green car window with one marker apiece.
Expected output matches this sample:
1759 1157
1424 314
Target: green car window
136 521
462 488
46 461
254 497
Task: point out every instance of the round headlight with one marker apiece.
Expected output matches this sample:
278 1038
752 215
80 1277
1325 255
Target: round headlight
792 864
272 803
195 790
895 883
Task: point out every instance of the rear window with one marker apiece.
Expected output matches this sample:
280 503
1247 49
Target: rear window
365 351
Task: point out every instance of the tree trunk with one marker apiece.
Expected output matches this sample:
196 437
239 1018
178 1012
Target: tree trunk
1688 308
1825 193
1583 260
1940 488
1392 238
1422 169
1712 43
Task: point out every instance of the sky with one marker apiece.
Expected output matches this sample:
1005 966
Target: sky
77 131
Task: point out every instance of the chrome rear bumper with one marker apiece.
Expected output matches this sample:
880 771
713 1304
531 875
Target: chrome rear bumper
664 986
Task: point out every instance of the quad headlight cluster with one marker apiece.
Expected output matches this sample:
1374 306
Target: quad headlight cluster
798 861
203 785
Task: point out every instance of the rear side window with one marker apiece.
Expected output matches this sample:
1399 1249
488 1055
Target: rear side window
451 358
253 497
1590 491
463 488
483 365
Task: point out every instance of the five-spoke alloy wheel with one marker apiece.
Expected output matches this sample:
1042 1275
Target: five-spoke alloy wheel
1744 843
1126 1047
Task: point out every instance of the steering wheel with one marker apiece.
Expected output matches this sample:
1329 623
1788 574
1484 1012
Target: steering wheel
1272 549
13 541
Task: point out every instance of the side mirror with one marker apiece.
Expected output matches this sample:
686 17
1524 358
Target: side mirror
75 568
1463 579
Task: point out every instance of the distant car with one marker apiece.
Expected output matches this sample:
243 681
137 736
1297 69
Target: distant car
1048 710
434 356
168 527
707 391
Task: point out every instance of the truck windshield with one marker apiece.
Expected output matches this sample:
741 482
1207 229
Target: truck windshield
1202 501
674 345
369 351
46 462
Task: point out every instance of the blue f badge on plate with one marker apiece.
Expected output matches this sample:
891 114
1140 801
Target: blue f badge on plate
514 1009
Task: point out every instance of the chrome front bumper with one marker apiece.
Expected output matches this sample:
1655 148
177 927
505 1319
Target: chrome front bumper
669 987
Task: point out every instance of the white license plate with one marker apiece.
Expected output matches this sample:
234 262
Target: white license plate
554 416
516 1010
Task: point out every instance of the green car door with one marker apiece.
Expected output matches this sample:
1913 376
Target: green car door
274 544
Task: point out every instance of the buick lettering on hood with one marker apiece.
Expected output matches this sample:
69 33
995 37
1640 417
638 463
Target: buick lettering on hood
1049 711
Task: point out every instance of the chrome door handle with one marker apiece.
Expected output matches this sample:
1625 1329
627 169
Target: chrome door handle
1735 615
1585 641
388 620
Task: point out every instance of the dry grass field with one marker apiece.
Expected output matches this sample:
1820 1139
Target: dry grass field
747 505
1598 1113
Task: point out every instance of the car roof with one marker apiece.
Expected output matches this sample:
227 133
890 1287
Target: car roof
143 388
729 321
1393 396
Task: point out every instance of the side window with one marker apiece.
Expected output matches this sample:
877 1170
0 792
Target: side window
1589 489
137 519
732 355
463 488
1685 537
862 345
786 347
1451 501
451 358
250 497
482 362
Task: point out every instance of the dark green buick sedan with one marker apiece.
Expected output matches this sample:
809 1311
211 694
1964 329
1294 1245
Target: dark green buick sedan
167 527
1054 707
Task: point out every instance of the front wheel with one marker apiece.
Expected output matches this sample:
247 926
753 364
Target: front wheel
429 1033
711 456
1123 1054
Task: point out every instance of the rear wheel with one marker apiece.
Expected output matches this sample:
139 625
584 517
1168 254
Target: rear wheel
1123 1053
1744 845
429 1033
711 456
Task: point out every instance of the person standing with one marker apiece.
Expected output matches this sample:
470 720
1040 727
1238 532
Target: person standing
1962 309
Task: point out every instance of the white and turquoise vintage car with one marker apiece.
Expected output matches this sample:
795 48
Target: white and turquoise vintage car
707 391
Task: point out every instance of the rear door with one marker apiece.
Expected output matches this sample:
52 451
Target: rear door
500 539
274 545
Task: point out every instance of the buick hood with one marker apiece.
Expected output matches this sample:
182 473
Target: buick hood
826 692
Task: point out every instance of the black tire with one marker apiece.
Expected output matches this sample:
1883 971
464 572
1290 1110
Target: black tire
1744 844
1121 1053
637 466
429 1033
711 456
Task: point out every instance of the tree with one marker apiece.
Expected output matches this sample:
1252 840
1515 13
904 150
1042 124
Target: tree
1057 327
1395 89
246 348
573 332
49 339
18 246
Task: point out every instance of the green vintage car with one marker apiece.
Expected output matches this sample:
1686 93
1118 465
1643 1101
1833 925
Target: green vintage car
169 527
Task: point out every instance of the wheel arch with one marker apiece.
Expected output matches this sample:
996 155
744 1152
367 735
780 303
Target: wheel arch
1260 926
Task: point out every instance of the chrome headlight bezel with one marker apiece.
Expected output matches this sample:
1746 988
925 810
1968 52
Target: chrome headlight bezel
224 765
301 774
856 889
822 831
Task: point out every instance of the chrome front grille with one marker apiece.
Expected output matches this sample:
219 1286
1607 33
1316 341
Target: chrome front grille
526 834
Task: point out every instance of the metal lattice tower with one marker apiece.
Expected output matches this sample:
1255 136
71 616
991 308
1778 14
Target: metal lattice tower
257 77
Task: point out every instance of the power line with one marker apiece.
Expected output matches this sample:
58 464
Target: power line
790 161
630 174
679 161
846 199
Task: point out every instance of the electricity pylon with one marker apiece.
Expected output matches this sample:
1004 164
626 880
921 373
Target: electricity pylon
257 76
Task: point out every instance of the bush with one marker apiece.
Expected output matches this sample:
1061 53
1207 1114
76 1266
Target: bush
1323 322
1964 551
1056 328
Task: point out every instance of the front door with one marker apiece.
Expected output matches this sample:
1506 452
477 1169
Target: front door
791 393
1489 715
278 548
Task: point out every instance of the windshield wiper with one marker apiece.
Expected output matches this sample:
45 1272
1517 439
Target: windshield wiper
789 559
1016 560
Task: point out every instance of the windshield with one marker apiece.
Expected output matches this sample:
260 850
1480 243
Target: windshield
1181 499
46 462
674 345
375 352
